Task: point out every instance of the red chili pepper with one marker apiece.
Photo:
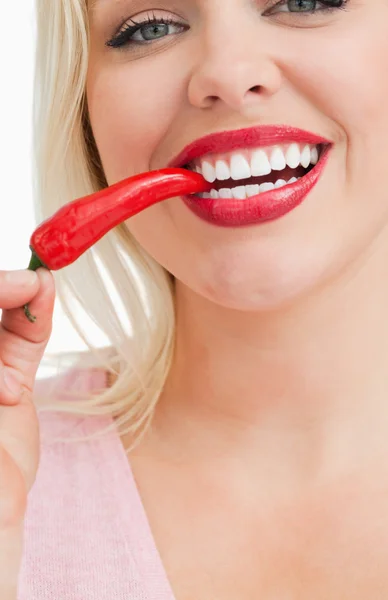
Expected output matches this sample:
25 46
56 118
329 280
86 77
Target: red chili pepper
62 238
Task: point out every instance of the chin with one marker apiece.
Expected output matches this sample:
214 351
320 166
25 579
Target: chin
257 286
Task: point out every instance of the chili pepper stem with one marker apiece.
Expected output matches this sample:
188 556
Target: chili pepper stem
35 263
29 316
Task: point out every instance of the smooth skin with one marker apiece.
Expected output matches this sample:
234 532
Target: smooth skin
22 345
265 474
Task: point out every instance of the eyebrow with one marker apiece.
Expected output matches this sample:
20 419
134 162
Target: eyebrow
93 3
93 6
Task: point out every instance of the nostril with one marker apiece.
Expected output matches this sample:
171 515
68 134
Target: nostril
255 89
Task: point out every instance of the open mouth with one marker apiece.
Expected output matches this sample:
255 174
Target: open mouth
245 173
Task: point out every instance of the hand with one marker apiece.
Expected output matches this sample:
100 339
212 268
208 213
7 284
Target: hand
22 345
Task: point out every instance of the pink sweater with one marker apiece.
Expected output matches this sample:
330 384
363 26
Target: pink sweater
87 536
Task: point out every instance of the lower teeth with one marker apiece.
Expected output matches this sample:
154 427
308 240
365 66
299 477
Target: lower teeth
246 191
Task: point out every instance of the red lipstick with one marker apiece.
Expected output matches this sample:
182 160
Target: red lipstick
265 206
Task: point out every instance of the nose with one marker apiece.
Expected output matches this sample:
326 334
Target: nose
234 68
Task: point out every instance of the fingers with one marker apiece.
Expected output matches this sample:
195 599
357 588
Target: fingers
40 298
22 343
16 286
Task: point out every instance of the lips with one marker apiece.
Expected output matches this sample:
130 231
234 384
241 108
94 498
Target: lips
264 203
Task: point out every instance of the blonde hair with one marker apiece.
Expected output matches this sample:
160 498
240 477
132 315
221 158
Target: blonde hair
67 166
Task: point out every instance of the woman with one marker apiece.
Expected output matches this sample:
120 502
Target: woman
253 384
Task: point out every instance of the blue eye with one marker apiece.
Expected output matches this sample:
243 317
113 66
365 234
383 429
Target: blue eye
302 5
306 6
146 32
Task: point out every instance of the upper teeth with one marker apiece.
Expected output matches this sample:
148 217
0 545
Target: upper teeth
243 164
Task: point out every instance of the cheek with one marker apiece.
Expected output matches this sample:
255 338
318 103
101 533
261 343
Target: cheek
130 114
161 238
346 78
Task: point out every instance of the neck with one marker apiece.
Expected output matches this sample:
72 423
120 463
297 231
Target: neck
312 377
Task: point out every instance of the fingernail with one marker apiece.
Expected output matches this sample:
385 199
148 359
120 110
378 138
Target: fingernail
22 277
12 383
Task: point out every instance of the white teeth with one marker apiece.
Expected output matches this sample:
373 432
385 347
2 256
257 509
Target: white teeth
222 170
252 190
256 163
266 187
208 171
260 164
305 157
314 155
246 191
277 160
239 192
293 156
239 167
225 193
280 183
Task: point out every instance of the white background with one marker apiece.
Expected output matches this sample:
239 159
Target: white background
16 218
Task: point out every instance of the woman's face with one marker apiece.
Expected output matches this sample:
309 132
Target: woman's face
207 66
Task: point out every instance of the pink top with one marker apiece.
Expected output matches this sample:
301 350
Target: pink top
87 536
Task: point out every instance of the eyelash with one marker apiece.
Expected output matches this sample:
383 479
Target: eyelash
124 37
328 6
